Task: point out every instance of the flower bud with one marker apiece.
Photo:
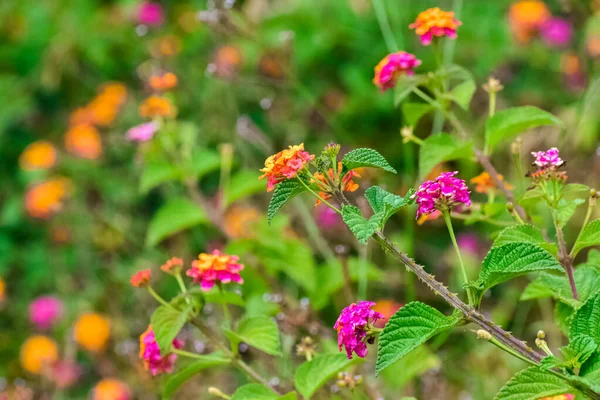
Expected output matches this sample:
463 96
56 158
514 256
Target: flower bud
493 85
510 207
485 335
516 146
332 149
406 133
217 393
541 334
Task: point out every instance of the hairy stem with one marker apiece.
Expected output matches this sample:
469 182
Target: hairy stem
563 255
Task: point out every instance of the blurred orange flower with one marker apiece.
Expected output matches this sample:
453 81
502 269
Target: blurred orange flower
84 141
238 221
227 59
525 18
37 352
387 308
2 290
92 331
111 389
45 199
429 217
484 183
141 278
173 265
166 46
163 82
38 155
156 106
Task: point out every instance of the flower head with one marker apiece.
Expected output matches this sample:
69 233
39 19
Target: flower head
111 389
346 182
92 331
45 199
226 61
566 396
37 353
65 374
45 311
149 13
392 66
84 141
556 32
172 265
548 159
213 268
142 132
150 353
285 165
484 183
239 221
442 193
38 155
353 325
163 82
526 18
141 278
156 106
435 22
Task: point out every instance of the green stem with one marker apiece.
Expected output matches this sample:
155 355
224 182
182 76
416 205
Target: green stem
448 220
384 25
492 109
590 210
226 313
512 352
180 282
226 159
337 210
160 299
188 354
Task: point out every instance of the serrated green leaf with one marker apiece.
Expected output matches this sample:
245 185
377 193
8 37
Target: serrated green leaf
575 188
410 327
311 375
361 227
174 381
511 260
587 282
440 148
532 383
563 314
258 332
404 87
524 233
536 290
507 124
176 215
590 236
385 203
566 209
586 320
366 158
283 193
166 323
413 112
255 391
462 93
243 184
578 351
455 72
590 369
550 362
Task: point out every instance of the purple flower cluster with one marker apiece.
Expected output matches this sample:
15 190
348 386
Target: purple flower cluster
352 327
142 132
548 159
557 32
442 193
45 311
150 353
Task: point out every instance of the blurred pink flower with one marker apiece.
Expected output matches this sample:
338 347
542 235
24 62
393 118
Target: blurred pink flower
556 32
352 326
150 353
65 373
45 311
142 132
469 243
392 66
327 218
149 13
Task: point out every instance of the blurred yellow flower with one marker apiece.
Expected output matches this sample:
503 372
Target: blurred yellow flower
525 18
92 331
111 389
84 141
38 155
46 198
156 106
239 220
37 352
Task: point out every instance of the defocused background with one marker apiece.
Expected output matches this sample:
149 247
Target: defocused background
81 208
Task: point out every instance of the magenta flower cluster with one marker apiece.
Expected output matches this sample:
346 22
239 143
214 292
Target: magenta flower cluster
151 14
557 32
142 132
45 311
442 193
392 66
150 353
352 327
548 159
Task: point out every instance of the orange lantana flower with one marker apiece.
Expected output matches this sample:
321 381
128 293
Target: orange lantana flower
141 278
46 198
435 22
38 352
526 17
238 221
92 331
38 155
156 106
347 182
84 141
163 82
172 265
111 389
285 165
484 183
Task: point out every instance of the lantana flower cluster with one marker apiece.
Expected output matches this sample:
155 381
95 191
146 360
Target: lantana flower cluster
435 22
150 353
346 182
353 326
442 193
285 165
210 269
548 164
392 66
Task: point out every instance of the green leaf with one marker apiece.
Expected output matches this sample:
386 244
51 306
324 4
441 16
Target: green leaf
283 193
462 93
590 369
204 161
175 216
532 383
414 364
361 227
311 375
536 290
404 87
296 260
366 158
524 233
589 120
578 351
507 124
243 184
157 172
563 314
440 148
259 332
385 203
166 323
454 72
410 327
413 112
511 260
587 282
586 320
566 209
590 236
255 391
575 188
174 381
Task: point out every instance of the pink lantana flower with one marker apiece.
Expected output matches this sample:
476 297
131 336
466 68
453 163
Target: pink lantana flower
142 132
548 159
45 311
556 32
442 193
210 269
353 326
392 66
435 22
151 14
150 354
